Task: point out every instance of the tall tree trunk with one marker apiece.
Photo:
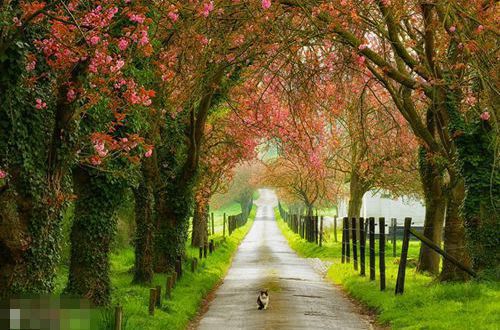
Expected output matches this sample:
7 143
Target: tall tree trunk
91 235
356 192
29 243
454 233
435 207
482 198
172 222
200 227
144 218
357 189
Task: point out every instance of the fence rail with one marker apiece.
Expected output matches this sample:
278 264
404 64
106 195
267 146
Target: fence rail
236 221
355 233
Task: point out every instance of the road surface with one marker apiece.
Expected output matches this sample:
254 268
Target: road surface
299 297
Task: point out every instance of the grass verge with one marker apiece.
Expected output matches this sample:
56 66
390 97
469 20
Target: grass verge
187 295
426 303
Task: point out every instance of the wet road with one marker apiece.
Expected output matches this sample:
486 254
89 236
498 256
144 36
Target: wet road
299 297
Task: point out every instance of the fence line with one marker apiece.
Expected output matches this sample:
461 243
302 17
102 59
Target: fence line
307 228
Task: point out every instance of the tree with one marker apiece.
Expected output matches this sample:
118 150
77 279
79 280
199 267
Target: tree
430 49
62 61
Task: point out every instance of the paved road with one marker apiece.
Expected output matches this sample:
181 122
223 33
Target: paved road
299 297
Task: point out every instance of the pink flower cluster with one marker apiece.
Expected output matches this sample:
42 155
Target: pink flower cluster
138 18
485 116
40 104
266 4
100 148
173 14
3 174
208 7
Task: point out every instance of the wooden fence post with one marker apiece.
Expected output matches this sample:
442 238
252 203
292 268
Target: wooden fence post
178 267
354 244
168 287
335 228
347 244
224 225
321 232
371 235
205 250
211 246
201 252
318 229
118 317
400 282
343 241
193 264
174 279
213 227
362 241
381 256
152 301
394 227
158 296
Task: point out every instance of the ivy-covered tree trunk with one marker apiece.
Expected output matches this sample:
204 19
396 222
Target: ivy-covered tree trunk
171 235
29 244
200 226
482 197
32 197
145 224
92 232
435 207
454 233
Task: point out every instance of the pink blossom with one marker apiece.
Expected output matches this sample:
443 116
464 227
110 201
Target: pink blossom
361 60
30 66
485 116
148 153
124 140
137 18
362 47
207 8
144 40
118 66
71 95
40 104
480 28
203 40
101 148
3 174
173 16
266 4
94 40
453 28
123 44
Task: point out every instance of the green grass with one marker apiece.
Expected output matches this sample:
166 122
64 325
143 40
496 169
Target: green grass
232 208
187 295
425 304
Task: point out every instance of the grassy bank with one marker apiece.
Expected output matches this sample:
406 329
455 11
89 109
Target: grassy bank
187 295
426 303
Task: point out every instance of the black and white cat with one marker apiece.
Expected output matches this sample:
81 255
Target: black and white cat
263 299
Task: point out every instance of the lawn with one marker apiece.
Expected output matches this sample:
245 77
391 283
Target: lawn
187 295
426 303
